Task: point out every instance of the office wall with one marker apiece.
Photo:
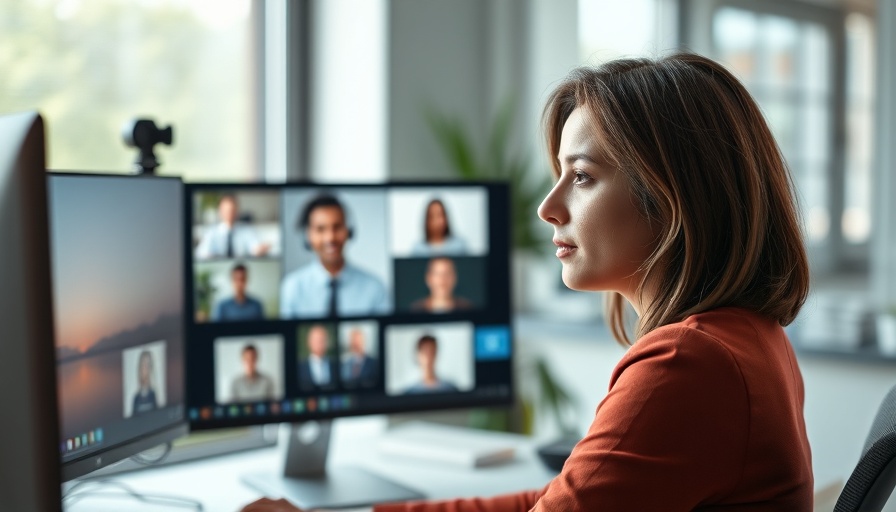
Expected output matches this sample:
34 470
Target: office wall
467 58
438 59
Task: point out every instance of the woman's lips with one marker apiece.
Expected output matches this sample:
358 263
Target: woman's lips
564 249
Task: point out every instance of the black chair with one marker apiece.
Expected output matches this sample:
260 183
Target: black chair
871 483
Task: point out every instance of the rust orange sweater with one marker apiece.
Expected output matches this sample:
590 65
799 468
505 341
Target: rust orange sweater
705 414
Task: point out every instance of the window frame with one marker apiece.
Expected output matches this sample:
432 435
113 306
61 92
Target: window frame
835 256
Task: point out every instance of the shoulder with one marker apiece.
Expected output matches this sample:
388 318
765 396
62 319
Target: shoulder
689 354
300 274
360 275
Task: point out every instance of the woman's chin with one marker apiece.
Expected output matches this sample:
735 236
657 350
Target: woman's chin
579 283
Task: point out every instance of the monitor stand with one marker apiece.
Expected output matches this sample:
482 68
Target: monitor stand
307 484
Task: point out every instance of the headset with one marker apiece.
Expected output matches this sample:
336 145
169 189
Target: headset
324 199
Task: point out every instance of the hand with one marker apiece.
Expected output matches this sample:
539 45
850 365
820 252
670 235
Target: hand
269 505
262 249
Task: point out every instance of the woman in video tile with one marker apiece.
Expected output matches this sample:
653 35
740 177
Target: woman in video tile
437 234
441 278
145 398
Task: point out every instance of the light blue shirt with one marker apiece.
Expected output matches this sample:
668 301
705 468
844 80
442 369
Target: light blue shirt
305 292
452 246
214 241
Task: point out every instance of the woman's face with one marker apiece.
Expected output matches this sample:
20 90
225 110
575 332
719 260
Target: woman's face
601 235
441 278
435 219
145 371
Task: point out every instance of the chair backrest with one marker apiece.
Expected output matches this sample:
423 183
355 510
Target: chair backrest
872 482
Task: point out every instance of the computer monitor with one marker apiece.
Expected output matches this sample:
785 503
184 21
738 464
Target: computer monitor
29 466
118 289
312 302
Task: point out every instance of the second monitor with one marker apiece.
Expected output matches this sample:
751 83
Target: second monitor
312 302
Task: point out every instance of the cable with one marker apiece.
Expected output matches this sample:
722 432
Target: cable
72 497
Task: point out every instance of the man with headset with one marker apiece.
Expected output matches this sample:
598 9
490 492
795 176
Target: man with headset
329 286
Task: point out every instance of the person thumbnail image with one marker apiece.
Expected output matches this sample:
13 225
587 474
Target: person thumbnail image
251 385
248 368
143 374
229 238
437 236
329 285
359 365
240 306
441 279
427 351
145 397
317 366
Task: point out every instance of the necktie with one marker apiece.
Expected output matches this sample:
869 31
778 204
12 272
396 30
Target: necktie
334 288
230 243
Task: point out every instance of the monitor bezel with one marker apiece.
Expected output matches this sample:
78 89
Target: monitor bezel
83 465
496 189
30 467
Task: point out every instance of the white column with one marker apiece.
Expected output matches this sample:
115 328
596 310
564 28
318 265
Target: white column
884 235
348 101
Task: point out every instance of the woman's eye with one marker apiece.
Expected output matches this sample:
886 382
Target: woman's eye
580 177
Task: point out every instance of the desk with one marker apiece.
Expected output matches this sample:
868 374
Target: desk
215 482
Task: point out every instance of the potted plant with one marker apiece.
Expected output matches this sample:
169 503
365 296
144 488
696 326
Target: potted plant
205 291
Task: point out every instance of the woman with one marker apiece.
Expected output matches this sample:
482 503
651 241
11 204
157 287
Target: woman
440 278
145 397
438 239
672 195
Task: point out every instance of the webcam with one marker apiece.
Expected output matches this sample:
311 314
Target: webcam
143 134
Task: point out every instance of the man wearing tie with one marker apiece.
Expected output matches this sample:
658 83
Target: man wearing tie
230 238
358 368
318 370
329 286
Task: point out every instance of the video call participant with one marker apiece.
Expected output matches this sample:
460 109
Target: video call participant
241 306
230 238
441 278
437 237
251 385
145 397
358 367
329 286
427 350
318 369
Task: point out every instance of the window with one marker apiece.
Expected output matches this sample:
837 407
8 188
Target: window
811 71
610 29
90 66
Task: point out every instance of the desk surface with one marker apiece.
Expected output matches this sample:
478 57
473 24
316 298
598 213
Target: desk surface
215 482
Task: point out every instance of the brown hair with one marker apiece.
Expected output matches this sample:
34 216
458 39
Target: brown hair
707 174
